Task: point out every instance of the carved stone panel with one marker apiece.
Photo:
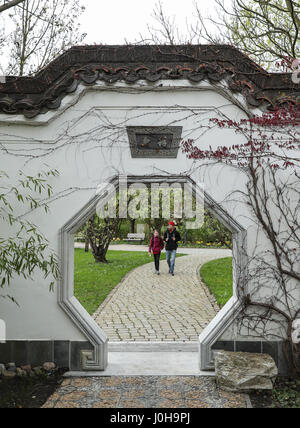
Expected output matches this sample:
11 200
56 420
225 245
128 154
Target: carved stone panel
154 141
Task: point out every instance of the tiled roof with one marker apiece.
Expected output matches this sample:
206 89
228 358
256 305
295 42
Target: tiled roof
88 64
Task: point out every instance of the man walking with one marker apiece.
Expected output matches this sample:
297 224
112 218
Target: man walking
171 237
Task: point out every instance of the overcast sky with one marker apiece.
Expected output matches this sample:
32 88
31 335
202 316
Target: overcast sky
112 21
117 21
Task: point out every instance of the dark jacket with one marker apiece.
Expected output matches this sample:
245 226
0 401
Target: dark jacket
171 244
156 244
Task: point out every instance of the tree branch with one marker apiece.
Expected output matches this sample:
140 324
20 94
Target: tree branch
10 4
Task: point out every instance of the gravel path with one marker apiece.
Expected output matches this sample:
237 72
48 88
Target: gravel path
144 392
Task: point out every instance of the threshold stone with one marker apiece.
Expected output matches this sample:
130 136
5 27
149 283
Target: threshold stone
244 371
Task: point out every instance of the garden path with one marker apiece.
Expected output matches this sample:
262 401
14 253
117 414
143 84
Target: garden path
144 392
148 307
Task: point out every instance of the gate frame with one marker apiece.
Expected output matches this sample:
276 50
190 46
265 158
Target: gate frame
96 359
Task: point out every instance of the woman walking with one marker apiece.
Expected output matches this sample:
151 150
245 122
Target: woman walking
156 246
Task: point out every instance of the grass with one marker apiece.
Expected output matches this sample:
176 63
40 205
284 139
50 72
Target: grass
93 282
217 275
213 246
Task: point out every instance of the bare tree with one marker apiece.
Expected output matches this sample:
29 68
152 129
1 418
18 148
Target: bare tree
165 29
41 32
9 4
265 30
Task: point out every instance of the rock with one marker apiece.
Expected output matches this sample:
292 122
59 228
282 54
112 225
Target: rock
11 367
243 371
2 368
38 371
9 374
26 368
20 372
48 367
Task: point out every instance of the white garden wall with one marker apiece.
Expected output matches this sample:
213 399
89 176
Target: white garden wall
86 141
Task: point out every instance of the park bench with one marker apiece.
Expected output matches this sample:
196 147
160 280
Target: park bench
136 237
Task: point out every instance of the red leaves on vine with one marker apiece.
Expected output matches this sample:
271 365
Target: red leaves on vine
268 136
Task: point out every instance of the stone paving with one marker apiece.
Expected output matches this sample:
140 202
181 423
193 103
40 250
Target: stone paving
143 392
147 307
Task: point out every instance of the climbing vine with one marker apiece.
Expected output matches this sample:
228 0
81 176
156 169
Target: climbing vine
269 157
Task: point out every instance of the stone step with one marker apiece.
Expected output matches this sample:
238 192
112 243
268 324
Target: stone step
153 346
148 364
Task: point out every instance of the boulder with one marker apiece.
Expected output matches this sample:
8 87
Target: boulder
38 371
8 374
11 367
48 367
26 368
20 372
243 371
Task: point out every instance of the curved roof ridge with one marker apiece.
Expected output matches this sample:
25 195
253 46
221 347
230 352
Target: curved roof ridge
32 95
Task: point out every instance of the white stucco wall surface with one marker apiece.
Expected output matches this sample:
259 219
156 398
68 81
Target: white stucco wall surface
86 141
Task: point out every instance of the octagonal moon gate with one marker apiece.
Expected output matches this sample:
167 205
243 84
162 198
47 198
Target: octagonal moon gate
95 356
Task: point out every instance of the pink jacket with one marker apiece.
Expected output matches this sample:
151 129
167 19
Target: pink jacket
156 244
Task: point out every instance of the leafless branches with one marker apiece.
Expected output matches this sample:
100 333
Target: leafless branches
9 4
267 31
42 30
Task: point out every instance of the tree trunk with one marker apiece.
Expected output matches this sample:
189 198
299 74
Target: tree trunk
185 233
132 225
10 4
87 244
100 256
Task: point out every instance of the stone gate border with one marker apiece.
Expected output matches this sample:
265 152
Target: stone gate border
95 356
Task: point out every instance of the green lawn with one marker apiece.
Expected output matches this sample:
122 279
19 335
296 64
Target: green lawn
217 275
93 282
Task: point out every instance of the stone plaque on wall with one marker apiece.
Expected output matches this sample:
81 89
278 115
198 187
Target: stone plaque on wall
154 141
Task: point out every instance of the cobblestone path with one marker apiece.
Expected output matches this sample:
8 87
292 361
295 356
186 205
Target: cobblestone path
144 392
147 307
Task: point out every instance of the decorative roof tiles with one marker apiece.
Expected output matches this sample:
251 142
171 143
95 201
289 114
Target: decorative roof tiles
38 94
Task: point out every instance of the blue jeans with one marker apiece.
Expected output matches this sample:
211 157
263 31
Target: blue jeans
171 255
